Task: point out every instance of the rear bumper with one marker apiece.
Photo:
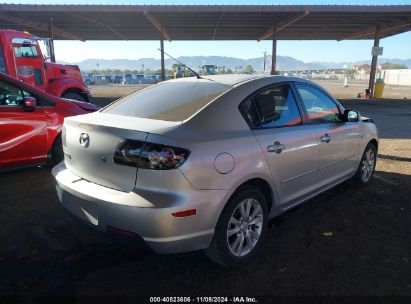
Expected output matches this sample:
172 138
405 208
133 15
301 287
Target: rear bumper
146 212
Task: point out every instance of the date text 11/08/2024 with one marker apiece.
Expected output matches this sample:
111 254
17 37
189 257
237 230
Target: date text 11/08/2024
203 300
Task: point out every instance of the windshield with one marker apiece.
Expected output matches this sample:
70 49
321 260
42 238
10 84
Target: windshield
171 101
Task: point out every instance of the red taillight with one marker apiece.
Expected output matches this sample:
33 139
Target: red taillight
185 213
148 155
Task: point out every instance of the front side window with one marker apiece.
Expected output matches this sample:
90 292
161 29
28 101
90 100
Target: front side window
273 107
320 107
10 95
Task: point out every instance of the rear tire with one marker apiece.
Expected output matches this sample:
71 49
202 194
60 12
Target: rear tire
240 229
366 167
75 96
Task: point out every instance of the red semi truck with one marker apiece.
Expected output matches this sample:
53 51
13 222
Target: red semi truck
21 57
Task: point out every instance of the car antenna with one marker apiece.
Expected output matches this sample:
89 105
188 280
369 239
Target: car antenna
179 62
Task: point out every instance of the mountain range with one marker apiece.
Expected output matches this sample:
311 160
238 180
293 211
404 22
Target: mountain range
284 63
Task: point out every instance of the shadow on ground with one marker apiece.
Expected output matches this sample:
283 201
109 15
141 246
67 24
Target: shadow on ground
46 252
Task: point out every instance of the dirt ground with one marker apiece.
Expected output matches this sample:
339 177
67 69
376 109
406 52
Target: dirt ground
44 251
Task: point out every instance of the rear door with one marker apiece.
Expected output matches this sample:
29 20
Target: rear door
338 140
290 147
23 135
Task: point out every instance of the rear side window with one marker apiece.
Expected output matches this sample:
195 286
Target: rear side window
320 107
273 107
171 101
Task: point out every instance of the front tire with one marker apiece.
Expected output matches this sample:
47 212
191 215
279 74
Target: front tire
366 168
240 229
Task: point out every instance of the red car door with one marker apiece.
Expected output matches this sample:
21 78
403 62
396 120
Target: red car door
23 134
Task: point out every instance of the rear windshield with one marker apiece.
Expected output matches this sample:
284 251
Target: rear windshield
171 101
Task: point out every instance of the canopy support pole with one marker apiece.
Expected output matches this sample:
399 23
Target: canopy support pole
274 54
374 61
163 69
51 42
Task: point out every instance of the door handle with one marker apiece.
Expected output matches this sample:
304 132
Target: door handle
277 147
325 138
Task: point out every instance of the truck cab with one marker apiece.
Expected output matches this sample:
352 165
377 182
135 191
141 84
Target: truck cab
21 57
209 69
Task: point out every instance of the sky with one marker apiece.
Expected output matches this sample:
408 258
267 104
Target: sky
327 51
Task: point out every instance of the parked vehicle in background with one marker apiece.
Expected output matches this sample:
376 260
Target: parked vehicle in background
21 57
180 71
31 121
86 79
194 163
118 79
209 69
139 78
150 79
128 79
101 79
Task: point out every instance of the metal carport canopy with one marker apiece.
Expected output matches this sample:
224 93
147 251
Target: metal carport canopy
207 22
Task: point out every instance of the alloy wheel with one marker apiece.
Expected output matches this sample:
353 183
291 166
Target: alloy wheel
245 227
367 166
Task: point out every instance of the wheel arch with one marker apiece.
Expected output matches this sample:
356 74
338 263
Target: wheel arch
52 140
76 91
374 142
261 184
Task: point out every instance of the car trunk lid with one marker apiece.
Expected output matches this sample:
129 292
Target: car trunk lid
89 142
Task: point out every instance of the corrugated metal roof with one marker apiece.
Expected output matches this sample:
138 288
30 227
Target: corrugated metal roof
208 22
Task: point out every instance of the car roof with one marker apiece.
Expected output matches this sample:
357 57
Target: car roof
239 79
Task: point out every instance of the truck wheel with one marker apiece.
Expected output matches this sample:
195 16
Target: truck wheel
240 229
75 96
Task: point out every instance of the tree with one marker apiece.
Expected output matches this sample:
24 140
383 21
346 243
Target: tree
248 69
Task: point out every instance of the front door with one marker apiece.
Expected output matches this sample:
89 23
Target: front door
23 134
290 147
338 140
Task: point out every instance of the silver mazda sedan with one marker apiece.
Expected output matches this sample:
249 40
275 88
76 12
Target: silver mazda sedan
203 163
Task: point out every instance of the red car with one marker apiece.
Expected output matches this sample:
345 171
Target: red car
31 121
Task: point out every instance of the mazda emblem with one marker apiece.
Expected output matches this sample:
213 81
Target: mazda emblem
84 140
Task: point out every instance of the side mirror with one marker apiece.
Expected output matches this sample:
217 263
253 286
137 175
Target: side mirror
351 116
29 103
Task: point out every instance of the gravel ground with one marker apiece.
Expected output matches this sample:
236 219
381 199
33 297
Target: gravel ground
44 251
